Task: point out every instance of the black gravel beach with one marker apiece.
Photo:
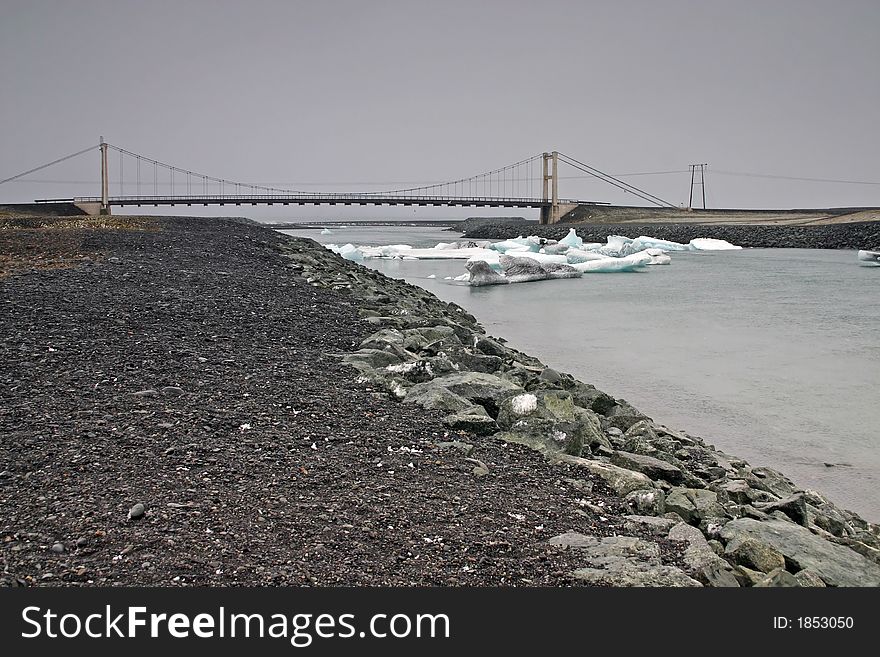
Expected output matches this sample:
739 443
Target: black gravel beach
190 401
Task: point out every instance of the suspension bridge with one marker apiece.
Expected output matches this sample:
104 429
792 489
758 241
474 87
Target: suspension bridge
143 181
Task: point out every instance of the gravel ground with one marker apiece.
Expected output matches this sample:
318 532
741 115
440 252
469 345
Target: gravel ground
178 364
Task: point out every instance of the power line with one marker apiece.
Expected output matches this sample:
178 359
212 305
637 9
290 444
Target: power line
777 177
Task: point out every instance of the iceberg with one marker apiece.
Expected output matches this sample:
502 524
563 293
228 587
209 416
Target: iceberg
615 245
644 242
517 244
351 252
658 257
522 270
326 231
709 244
558 270
572 240
869 257
634 262
479 274
575 256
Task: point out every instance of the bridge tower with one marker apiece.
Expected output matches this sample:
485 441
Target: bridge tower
550 213
105 180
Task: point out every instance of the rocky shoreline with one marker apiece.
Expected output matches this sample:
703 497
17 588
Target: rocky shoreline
858 235
285 416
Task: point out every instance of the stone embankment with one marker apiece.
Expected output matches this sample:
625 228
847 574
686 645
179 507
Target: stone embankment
738 524
860 235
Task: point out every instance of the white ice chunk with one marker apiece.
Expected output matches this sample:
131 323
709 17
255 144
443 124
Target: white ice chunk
572 240
615 245
351 252
577 255
709 244
658 257
432 276
326 231
633 262
869 257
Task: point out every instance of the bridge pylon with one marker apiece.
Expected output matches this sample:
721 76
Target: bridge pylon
105 180
552 211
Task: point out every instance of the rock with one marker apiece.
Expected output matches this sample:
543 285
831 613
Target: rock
620 480
58 548
380 339
375 358
794 506
747 576
171 391
628 573
755 555
550 375
436 398
551 418
657 526
835 564
487 390
778 578
647 502
465 448
771 481
653 468
711 569
809 578
82 542
621 415
490 347
136 511
474 419
736 491
147 393
693 504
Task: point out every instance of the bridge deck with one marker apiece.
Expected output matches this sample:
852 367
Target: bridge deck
316 200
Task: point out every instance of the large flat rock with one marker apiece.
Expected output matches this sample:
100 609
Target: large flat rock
835 564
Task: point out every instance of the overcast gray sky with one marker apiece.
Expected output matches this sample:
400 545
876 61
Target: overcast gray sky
313 94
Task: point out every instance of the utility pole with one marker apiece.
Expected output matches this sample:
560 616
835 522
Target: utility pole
702 183
105 180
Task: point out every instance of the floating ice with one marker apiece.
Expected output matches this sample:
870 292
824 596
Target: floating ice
432 276
522 270
710 244
644 242
518 244
869 257
658 257
572 240
351 252
634 262
326 231
480 273
576 255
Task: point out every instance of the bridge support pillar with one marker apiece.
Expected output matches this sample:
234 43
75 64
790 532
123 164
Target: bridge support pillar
105 180
551 212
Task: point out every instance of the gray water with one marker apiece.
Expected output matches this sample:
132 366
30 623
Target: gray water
769 354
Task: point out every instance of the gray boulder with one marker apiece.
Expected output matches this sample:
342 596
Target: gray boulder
487 390
647 502
653 468
771 481
620 480
654 525
711 569
473 419
694 504
793 506
621 561
436 398
755 555
778 578
375 358
835 564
